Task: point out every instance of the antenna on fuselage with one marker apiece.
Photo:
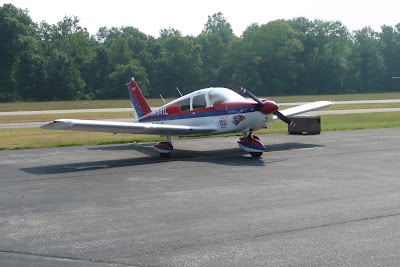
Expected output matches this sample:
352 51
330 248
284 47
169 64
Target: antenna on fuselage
165 102
178 91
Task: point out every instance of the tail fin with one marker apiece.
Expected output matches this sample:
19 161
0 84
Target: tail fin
139 103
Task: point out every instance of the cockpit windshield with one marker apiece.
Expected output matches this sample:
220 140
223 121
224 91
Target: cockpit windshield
219 95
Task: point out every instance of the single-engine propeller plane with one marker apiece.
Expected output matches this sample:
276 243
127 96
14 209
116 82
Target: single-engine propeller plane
209 111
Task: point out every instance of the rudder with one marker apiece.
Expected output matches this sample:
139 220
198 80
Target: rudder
139 103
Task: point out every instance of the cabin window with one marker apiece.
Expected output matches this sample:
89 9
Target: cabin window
199 101
185 104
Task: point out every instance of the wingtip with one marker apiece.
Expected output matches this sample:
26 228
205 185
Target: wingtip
47 125
56 125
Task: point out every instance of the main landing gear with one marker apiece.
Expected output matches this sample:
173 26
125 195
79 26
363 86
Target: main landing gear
251 143
165 148
248 142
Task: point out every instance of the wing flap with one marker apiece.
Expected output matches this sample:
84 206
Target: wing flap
305 108
127 127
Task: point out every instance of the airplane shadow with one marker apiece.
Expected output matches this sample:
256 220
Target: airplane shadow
232 157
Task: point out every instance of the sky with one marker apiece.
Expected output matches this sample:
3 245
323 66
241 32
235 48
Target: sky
189 17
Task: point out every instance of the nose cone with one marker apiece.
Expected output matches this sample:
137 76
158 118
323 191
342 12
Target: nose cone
269 107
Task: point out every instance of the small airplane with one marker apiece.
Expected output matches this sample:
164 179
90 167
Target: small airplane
208 111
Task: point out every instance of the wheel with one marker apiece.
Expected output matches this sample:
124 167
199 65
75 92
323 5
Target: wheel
165 155
256 154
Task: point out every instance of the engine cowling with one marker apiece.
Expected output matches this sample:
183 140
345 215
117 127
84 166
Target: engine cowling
269 107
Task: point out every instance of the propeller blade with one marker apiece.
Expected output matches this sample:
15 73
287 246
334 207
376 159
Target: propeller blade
252 96
284 118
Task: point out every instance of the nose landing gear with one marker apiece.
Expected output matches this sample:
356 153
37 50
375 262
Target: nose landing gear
251 144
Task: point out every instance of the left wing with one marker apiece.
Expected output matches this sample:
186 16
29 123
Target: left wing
305 108
127 127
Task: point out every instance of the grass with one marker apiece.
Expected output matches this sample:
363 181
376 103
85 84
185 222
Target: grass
125 103
39 138
68 105
361 121
347 97
130 115
355 106
51 117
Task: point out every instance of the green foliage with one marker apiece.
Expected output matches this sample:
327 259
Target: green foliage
366 60
178 65
17 34
121 76
63 61
326 47
390 37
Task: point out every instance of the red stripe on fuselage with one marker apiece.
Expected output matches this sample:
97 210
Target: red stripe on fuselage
225 108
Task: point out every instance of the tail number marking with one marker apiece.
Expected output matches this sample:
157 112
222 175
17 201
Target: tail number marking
160 112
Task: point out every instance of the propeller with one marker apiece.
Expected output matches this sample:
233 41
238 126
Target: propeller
268 107
283 118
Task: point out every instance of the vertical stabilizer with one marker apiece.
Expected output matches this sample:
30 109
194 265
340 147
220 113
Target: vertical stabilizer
139 103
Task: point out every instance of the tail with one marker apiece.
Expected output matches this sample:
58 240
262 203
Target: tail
139 103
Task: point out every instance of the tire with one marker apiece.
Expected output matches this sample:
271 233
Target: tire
256 154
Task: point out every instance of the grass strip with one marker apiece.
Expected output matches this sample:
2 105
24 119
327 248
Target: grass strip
130 115
125 103
51 117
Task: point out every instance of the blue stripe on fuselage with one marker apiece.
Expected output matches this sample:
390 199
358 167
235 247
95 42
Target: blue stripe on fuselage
197 114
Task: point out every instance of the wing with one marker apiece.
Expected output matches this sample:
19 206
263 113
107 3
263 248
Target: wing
305 108
127 127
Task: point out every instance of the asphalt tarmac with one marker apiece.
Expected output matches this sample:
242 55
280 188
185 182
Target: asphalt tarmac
323 200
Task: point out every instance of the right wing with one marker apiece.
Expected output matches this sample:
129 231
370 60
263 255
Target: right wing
128 127
305 108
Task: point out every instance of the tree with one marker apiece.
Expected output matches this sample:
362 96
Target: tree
217 24
68 48
240 65
390 37
326 47
179 65
165 33
120 77
298 56
214 41
96 70
266 58
367 63
17 42
120 51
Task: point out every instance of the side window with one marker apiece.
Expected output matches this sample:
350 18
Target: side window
185 104
199 101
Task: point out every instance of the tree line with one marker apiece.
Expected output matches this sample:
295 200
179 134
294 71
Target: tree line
40 62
